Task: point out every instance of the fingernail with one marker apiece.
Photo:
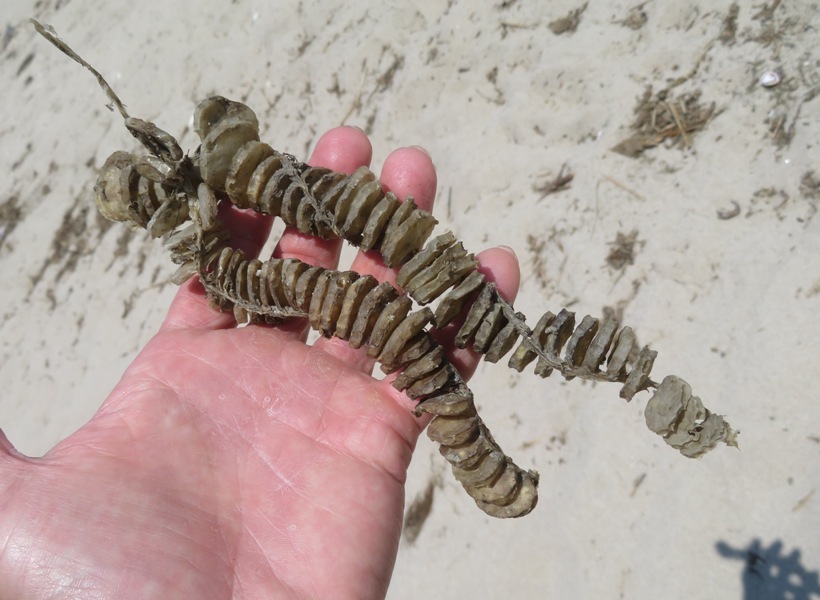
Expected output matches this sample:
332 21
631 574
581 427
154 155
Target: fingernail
356 127
424 150
510 250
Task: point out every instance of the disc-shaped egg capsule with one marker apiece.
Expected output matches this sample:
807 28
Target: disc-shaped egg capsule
220 146
352 304
168 216
453 303
453 431
215 109
401 336
243 165
475 316
408 237
333 304
377 221
449 404
389 318
521 503
116 186
369 312
504 340
420 368
305 286
318 298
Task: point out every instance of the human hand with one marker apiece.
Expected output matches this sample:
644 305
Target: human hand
231 462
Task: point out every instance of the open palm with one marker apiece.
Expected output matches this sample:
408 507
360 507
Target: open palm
230 462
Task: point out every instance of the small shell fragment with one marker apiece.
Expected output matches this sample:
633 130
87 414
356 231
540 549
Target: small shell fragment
770 79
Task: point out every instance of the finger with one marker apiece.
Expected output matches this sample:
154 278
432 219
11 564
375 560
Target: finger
190 308
406 172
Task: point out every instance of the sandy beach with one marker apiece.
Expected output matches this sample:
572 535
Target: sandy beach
657 162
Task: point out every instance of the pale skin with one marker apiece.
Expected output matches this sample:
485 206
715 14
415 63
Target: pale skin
231 462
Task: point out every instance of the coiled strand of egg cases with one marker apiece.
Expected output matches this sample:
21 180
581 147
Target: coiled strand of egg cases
125 193
314 200
321 202
372 315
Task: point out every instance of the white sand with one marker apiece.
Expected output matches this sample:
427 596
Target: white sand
501 103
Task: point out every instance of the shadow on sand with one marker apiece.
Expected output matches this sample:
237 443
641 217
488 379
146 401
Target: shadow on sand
771 574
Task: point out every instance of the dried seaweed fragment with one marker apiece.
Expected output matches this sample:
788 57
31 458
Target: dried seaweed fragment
660 117
569 23
416 514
